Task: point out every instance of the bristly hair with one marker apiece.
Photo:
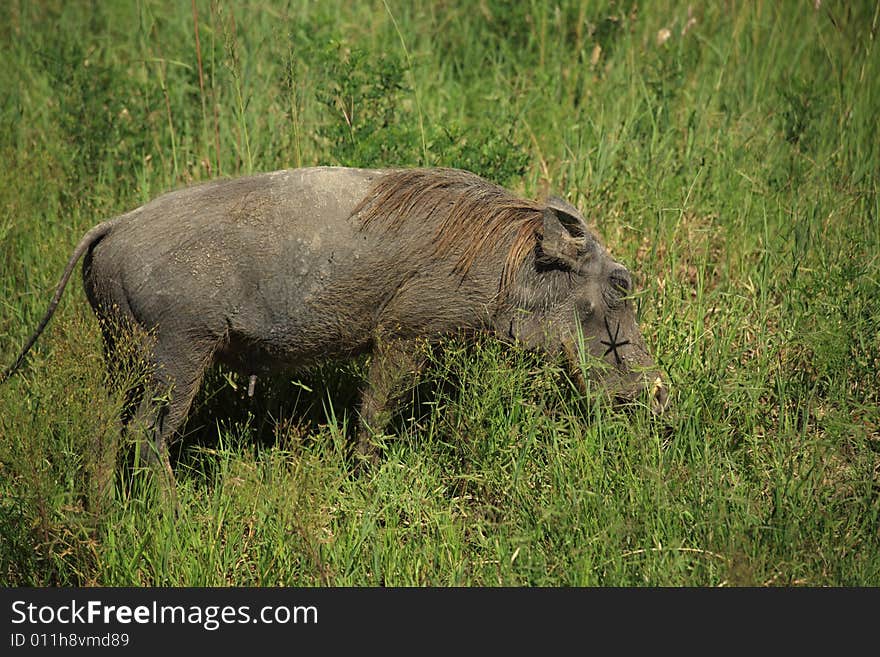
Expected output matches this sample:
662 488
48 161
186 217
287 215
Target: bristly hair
470 214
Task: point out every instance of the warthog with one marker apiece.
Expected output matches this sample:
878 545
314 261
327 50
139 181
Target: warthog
296 267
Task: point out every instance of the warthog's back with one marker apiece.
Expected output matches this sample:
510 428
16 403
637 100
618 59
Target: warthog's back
273 259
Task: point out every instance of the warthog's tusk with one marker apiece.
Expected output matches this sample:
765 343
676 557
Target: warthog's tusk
657 385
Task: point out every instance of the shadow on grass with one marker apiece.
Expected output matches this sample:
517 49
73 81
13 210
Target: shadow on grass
292 411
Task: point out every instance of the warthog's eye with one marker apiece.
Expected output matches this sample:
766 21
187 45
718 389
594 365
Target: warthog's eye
620 282
619 286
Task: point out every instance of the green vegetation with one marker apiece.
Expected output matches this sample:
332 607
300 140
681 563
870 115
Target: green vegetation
729 153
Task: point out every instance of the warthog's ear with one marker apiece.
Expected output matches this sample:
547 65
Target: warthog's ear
557 243
569 216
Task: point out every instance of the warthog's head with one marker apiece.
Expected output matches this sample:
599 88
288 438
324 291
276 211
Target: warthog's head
572 297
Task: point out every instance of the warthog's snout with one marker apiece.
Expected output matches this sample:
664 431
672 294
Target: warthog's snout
653 393
647 389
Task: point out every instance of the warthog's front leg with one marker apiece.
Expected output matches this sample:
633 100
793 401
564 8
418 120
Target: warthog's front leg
393 366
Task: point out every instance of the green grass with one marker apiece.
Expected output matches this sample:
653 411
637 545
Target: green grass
734 167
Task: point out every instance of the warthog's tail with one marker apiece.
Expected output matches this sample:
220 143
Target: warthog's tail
85 243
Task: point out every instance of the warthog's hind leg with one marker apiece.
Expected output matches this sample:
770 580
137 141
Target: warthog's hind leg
180 368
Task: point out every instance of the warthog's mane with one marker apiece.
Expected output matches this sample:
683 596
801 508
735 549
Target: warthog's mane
471 215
